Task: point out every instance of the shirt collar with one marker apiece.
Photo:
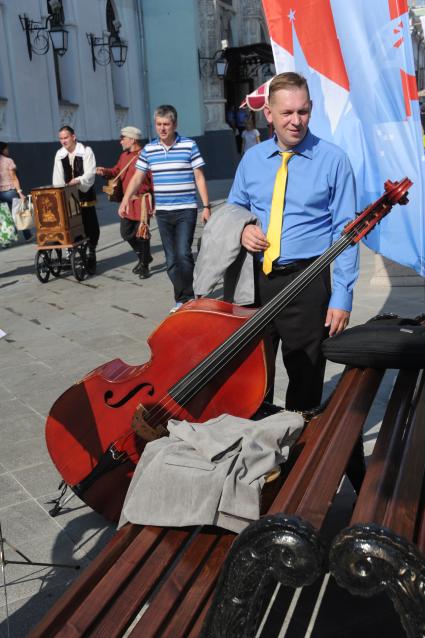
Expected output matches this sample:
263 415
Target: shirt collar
79 150
177 139
305 147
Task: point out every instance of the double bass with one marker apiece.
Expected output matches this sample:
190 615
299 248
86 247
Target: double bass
209 358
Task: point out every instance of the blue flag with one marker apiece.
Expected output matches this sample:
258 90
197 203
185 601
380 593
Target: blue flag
357 58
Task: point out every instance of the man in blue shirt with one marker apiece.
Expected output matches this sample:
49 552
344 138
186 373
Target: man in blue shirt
176 166
319 202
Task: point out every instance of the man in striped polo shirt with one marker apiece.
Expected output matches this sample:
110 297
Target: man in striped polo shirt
176 166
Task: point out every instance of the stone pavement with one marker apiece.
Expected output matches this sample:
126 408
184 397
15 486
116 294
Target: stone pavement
56 333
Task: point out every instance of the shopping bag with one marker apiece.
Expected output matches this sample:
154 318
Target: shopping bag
8 233
16 206
23 213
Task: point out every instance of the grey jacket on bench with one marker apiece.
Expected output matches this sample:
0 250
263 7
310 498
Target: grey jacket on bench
209 473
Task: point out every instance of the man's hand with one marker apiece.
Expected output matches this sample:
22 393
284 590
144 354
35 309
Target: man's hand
132 188
100 170
336 321
74 182
123 209
254 239
206 214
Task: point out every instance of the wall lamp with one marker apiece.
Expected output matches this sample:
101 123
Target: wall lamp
37 33
106 48
219 62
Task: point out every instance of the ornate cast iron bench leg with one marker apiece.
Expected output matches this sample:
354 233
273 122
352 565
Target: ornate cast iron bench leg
276 548
368 560
383 548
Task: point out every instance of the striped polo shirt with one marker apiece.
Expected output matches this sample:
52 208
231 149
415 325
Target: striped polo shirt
172 172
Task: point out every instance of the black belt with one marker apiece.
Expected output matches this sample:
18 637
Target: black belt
293 266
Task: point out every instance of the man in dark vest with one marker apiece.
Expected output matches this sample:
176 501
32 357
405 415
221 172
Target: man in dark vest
75 164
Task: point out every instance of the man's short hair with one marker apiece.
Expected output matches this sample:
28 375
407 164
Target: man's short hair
67 128
288 81
166 110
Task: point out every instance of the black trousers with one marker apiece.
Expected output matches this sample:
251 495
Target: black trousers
300 328
90 224
142 247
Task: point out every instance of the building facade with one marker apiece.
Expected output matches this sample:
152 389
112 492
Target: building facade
170 49
417 30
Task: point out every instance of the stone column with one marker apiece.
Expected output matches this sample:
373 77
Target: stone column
211 16
252 19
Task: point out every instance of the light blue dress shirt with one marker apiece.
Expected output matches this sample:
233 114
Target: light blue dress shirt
319 202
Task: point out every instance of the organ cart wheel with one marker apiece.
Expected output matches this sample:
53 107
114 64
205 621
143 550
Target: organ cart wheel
79 262
56 262
42 265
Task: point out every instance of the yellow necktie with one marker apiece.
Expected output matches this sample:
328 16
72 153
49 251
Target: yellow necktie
274 231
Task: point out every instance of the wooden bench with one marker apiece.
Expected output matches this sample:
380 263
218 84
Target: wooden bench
150 581
383 549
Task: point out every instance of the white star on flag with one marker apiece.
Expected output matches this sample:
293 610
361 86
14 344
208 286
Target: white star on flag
291 15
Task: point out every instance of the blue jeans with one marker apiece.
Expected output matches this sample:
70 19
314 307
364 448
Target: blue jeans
177 228
6 197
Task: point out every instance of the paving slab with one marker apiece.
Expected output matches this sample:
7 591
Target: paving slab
38 480
28 522
5 394
11 491
24 453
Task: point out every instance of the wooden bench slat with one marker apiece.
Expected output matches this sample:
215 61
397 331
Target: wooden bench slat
291 493
402 513
319 494
199 593
195 632
133 558
382 468
353 383
420 537
130 602
378 552
184 595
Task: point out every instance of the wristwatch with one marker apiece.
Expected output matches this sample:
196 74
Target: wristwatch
207 206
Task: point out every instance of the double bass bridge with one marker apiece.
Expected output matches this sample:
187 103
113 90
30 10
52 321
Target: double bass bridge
143 429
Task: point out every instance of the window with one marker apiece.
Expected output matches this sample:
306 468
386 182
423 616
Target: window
55 10
113 25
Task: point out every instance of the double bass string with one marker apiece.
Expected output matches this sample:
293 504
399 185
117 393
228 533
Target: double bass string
187 387
211 365
206 369
190 384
